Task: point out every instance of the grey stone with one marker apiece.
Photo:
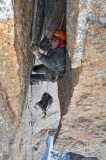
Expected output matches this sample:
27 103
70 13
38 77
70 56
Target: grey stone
103 55
80 35
103 14
101 74
6 9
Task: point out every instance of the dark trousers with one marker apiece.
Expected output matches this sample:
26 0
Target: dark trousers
40 71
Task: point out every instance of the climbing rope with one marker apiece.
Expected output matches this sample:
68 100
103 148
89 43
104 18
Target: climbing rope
61 21
47 86
28 100
47 15
34 22
33 31
33 41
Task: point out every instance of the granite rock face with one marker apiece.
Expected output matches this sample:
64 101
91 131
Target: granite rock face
9 79
83 126
13 70
6 131
79 97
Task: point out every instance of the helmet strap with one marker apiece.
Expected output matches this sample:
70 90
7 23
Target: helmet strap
61 44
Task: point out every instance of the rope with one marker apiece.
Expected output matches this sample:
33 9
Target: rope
46 16
47 86
31 118
34 22
61 21
32 42
33 30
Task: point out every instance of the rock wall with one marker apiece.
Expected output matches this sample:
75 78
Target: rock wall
81 92
9 79
83 126
13 70
6 131
16 28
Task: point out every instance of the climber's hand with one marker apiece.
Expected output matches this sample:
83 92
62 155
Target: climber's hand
35 51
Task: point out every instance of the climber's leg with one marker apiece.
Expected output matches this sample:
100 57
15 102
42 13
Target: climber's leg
36 78
41 69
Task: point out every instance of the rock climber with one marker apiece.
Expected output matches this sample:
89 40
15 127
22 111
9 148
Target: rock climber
53 58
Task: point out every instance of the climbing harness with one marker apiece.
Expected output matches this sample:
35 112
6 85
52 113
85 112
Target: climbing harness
46 101
55 75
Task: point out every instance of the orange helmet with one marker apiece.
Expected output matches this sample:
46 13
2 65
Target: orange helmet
59 33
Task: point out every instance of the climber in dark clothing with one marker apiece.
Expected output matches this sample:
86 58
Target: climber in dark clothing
53 58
